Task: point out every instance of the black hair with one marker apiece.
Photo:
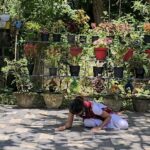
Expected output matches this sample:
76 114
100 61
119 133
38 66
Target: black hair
77 105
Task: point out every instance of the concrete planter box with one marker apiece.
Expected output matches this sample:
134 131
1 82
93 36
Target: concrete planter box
112 101
53 100
25 100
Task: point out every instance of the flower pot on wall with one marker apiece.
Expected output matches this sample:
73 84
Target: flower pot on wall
56 37
128 55
30 68
139 73
71 38
146 39
44 36
53 71
74 70
97 70
100 53
118 72
75 51
82 39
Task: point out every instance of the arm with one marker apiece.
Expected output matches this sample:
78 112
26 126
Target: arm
107 118
68 123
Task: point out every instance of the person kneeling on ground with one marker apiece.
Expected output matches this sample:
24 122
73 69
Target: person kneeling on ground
95 115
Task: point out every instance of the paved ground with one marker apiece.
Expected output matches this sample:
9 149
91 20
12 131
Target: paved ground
33 129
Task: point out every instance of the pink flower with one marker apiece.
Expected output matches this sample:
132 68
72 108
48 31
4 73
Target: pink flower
102 42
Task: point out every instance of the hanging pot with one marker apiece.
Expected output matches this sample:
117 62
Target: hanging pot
82 39
148 53
128 55
118 72
74 70
146 39
56 37
44 36
75 51
30 68
53 71
100 53
139 72
97 70
95 38
71 38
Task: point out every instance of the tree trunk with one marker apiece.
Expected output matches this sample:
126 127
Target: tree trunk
98 8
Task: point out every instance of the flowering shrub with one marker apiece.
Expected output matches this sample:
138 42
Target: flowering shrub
105 42
147 27
30 50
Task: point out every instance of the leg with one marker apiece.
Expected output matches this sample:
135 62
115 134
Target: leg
92 122
119 122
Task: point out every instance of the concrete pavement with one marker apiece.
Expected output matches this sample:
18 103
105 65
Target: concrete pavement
33 129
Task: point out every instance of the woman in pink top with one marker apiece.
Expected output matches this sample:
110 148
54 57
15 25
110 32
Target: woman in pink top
95 115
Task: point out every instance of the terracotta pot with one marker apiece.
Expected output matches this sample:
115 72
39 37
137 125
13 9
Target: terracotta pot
75 51
100 53
128 55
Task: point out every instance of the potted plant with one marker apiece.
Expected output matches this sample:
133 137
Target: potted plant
44 34
71 38
141 96
74 64
25 98
75 50
110 94
101 48
52 59
57 27
117 50
31 30
52 96
139 64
